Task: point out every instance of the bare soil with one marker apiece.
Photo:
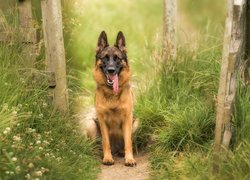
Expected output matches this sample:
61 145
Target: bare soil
121 172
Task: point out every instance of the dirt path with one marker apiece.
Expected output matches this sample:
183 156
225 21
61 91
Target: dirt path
120 171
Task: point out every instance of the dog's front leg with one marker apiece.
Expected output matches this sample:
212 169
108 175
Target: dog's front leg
127 133
107 156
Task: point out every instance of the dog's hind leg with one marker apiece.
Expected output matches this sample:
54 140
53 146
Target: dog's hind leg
89 124
135 124
92 130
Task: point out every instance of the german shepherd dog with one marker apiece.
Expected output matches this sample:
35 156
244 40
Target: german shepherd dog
113 97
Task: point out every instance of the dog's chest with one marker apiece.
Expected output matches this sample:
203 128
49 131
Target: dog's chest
114 120
114 115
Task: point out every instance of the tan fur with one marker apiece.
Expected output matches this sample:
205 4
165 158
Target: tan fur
114 112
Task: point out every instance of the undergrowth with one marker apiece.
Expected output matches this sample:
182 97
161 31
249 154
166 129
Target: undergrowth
175 102
36 141
177 113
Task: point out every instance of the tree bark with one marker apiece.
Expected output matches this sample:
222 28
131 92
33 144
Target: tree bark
55 53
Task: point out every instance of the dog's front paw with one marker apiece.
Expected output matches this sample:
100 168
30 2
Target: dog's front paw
108 161
130 162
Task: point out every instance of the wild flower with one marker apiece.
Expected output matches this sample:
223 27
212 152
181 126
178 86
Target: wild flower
7 172
6 131
17 138
38 173
14 159
46 142
47 132
18 169
44 170
58 159
52 155
45 104
27 176
40 115
30 165
39 136
14 112
40 148
38 142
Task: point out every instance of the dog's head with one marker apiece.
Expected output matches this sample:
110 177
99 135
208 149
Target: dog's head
111 60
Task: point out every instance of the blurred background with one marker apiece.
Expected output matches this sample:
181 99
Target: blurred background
175 103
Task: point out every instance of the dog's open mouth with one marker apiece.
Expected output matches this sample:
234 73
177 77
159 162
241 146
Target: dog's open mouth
112 80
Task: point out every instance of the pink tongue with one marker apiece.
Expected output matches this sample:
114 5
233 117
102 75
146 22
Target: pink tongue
115 84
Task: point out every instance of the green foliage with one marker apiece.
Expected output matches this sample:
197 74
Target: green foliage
175 102
177 112
36 141
182 97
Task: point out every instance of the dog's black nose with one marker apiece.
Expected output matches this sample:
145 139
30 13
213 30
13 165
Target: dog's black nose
111 70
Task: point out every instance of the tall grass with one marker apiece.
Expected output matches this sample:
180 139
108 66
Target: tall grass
36 141
177 112
175 103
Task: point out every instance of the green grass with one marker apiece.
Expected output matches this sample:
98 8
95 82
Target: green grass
177 112
36 141
175 103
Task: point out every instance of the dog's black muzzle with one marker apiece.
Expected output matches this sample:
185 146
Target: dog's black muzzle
111 70
111 67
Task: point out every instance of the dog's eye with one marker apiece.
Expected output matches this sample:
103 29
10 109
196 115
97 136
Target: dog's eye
106 58
115 58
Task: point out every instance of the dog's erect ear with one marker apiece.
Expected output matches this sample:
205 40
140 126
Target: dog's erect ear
120 41
102 42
